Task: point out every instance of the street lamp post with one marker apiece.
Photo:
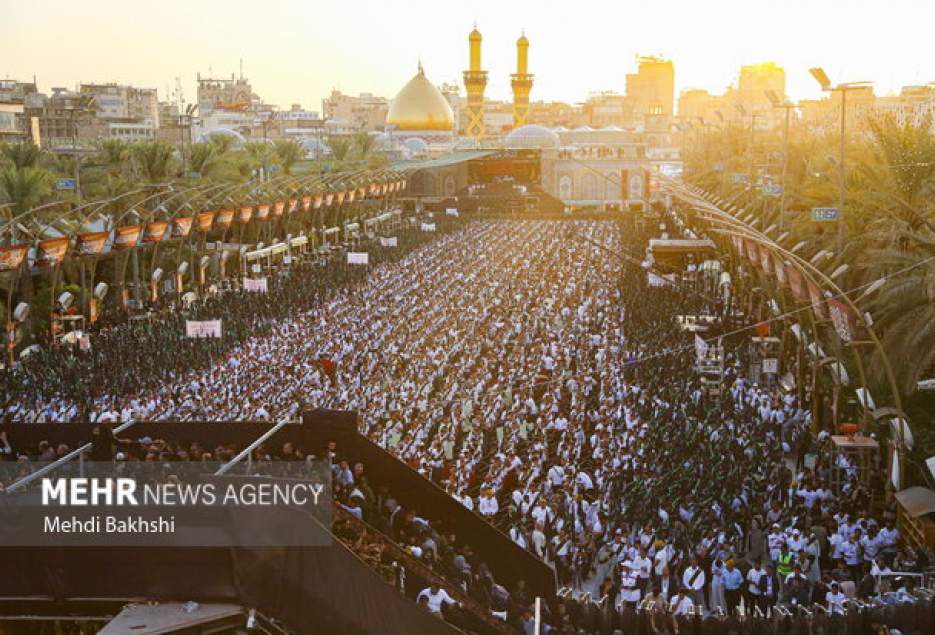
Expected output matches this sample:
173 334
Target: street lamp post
787 106
822 78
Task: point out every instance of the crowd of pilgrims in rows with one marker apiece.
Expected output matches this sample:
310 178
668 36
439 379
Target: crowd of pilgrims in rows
532 372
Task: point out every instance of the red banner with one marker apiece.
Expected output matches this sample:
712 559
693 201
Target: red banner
306 203
90 243
155 231
246 213
224 218
340 197
52 251
350 195
818 301
12 257
845 322
374 189
361 191
262 212
126 237
796 282
205 220
183 226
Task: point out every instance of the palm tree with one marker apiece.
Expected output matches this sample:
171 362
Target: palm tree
204 157
340 147
260 153
25 187
365 143
904 308
114 153
21 155
153 160
223 143
289 152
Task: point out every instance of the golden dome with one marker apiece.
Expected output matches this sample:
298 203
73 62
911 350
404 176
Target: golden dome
419 106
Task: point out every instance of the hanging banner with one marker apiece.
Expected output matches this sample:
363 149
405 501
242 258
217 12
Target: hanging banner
779 268
358 258
844 320
350 195
818 301
205 328
318 200
205 220
183 226
329 199
293 205
224 218
450 211
52 251
753 254
126 237
306 203
428 227
246 213
796 282
155 231
255 285
340 198
765 260
91 243
388 241
279 208
262 212
12 257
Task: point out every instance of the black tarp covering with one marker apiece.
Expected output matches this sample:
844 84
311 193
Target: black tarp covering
506 560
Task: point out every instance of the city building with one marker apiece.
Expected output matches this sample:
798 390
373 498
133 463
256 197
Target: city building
124 103
224 94
14 124
606 109
651 90
346 113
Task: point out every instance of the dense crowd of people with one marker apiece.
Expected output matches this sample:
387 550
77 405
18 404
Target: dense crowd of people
544 384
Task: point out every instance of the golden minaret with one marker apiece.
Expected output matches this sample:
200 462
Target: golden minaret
475 81
522 82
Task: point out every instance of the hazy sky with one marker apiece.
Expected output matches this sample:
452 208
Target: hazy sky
296 51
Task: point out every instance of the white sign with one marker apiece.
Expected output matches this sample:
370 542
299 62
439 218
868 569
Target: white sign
388 241
207 328
428 227
450 211
358 258
701 348
255 285
771 365
659 281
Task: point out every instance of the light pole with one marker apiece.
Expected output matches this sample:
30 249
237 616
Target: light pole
77 105
788 106
822 78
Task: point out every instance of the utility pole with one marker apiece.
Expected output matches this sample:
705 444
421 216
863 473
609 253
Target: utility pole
822 78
